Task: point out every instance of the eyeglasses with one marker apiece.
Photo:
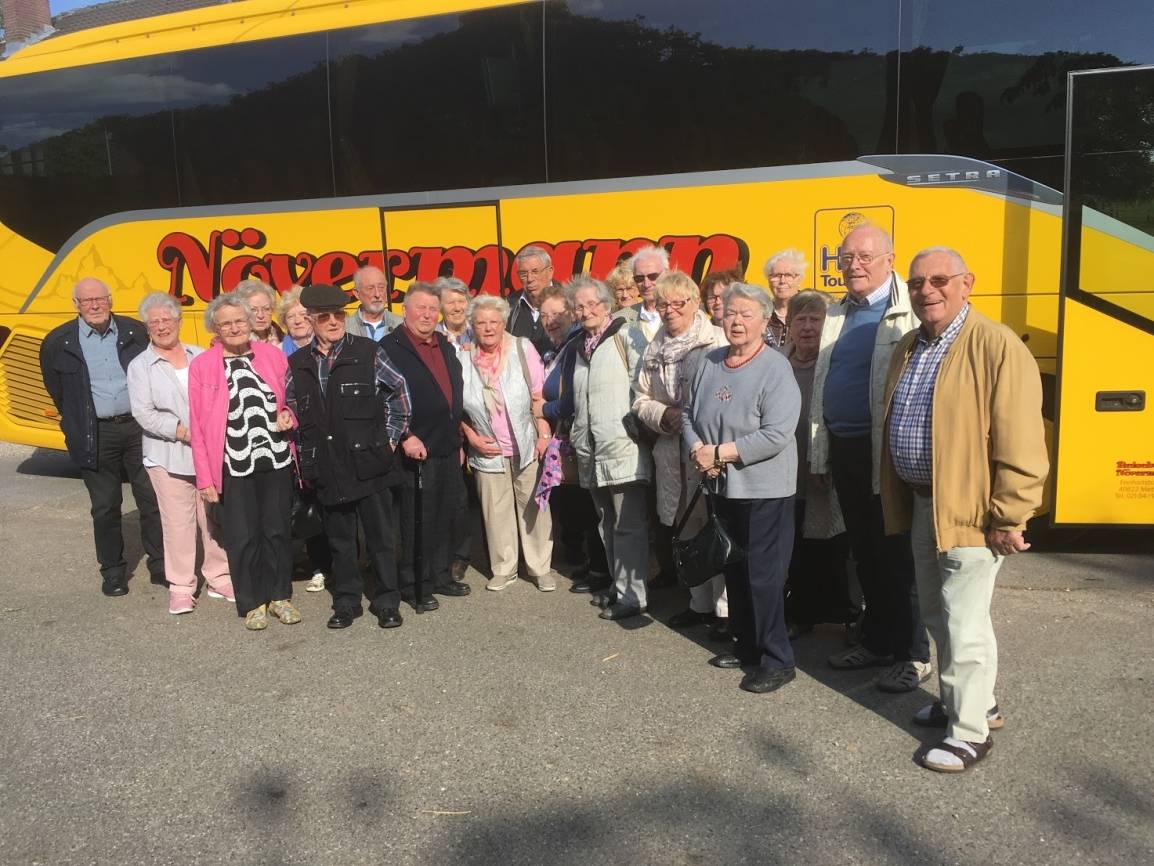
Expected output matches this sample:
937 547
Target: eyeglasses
846 259
93 302
326 315
938 281
260 311
233 325
662 306
587 308
641 278
791 276
160 323
536 272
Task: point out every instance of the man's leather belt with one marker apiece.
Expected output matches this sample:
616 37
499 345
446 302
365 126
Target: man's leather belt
118 419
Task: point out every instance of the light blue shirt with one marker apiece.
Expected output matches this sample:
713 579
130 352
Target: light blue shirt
107 378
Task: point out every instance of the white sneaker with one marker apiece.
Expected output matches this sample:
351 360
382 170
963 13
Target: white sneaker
546 582
498 582
316 583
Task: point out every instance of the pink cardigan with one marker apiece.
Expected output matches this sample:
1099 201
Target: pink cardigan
208 405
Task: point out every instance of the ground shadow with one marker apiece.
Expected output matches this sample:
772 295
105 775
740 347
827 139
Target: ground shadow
49 463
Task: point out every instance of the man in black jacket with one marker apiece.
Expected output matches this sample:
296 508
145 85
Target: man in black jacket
432 448
352 408
84 364
535 271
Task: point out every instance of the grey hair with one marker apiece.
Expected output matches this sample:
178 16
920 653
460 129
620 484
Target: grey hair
245 289
228 299
420 287
809 301
159 299
488 302
749 293
359 276
651 252
959 262
584 281
289 300
789 254
535 252
450 284
90 280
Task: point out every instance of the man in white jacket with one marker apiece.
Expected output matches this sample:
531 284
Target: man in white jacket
846 416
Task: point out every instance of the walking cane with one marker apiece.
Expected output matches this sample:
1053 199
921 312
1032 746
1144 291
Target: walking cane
418 540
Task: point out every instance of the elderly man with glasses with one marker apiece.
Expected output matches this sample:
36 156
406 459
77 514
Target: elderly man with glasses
847 411
84 363
649 265
534 269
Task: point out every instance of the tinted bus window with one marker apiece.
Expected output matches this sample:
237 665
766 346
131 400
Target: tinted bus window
652 86
439 103
78 144
252 122
988 79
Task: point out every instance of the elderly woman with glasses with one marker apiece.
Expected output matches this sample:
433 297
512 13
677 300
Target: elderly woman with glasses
668 365
713 286
295 318
158 391
262 300
612 466
241 452
626 297
454 324
739 430
784 271
507 436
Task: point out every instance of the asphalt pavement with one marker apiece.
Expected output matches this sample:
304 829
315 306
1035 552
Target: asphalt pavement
517 728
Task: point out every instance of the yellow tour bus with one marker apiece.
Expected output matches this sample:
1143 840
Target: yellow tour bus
298 141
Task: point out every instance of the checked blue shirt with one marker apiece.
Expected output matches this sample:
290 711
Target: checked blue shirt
911 412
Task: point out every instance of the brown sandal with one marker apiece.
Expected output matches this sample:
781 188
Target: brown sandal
967 758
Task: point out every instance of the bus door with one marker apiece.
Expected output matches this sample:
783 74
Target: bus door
457 240
1104 469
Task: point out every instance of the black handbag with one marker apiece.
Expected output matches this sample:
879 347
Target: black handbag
306 519
699 558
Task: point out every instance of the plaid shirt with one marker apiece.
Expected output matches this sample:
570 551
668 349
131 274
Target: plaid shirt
391 386
911 413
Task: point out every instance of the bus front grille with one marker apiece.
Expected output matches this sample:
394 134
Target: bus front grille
22 395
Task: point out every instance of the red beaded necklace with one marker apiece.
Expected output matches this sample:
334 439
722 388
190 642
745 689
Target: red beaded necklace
742 362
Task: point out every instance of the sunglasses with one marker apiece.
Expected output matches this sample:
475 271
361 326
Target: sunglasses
641 278
938 281
325 315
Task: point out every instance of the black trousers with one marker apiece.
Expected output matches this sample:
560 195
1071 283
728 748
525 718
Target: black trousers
439 501
575 521
119 455
255 516
818 587
885 563
463 548
755 587
375 514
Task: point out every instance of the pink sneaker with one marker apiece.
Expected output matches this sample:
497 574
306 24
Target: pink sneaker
181 603
223 592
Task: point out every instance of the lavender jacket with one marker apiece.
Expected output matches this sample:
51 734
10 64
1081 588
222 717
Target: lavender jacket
208 405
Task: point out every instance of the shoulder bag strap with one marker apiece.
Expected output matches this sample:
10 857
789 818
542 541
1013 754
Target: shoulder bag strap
524 365
689 509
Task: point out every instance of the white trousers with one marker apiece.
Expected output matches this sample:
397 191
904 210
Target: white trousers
513 523
955 589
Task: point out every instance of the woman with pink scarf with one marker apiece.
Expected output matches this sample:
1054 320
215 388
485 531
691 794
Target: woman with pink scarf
507 436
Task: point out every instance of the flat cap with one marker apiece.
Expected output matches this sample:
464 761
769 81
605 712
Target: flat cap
322 296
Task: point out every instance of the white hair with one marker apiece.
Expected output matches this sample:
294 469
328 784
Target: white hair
959 262
584 281
228 299
451 285
750 293
159 299
535 252
790 254
488 302
650 252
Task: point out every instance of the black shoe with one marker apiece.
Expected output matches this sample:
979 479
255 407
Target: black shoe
593 583
343 617
114 586
621 611
427 605
157 580
690 617
767 680
725 661
390 617
454 588
458 568
719 632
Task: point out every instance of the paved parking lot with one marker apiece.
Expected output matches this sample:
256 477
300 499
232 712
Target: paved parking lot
516 727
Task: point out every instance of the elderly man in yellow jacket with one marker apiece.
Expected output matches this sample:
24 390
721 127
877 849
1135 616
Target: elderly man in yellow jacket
963 465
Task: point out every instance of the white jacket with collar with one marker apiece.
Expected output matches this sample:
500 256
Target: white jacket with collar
898 321
518 405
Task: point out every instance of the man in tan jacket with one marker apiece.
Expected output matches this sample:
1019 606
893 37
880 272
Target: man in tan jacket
963 465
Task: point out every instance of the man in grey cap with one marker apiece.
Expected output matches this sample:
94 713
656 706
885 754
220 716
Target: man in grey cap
352 409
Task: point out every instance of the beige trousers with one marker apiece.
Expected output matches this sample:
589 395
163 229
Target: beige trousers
955 589
513 523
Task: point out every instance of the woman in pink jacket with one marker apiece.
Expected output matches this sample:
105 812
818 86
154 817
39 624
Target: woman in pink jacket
243 458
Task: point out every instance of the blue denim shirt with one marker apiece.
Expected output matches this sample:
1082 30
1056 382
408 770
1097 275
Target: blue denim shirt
108 380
